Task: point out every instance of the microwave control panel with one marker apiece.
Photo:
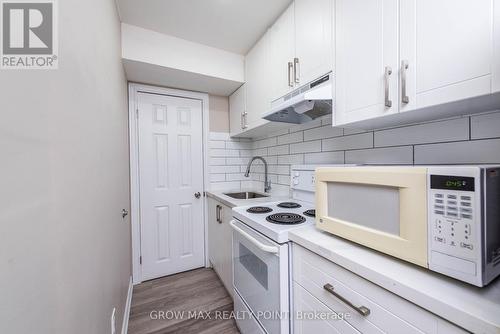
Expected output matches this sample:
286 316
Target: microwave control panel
454 223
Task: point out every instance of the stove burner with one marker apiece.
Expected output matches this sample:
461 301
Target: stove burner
259 209
285 218
289 205
310 213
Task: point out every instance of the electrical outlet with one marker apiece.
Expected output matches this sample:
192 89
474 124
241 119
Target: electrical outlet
113 321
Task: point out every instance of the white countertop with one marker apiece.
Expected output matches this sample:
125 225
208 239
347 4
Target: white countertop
475 309
232 202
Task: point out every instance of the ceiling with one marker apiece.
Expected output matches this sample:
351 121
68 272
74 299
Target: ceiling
231 25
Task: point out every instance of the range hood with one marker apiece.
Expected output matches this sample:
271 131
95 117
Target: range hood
303 104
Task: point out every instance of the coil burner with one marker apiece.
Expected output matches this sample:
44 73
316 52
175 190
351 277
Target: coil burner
259 209
285 218
289 205
310 213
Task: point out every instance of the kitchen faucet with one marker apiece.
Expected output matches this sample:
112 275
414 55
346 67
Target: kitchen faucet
267 183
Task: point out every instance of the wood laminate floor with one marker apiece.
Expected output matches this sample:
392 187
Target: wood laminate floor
179 304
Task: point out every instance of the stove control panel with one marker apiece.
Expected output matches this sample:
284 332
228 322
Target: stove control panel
303 180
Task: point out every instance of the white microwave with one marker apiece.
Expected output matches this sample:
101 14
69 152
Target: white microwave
444 218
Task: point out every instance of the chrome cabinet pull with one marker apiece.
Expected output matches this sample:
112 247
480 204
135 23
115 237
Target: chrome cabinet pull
220 214
388 72
217 213
241 120
363 310
290 68
296 70
245 120
404 67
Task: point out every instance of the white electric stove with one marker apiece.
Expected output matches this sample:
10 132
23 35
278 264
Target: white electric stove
261 255
276 219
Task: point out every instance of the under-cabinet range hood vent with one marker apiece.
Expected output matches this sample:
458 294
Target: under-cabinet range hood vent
304 104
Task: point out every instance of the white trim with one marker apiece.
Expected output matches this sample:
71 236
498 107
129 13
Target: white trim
128 304
134 89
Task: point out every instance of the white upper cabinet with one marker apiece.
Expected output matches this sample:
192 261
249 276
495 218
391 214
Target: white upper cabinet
391 59
300 45
313 39
448 46
258 99
282 53
366 59
237 111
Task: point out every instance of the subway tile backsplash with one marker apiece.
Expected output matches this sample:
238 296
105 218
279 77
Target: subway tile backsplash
464 140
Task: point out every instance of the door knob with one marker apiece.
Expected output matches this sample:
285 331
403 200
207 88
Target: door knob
197 195
124 213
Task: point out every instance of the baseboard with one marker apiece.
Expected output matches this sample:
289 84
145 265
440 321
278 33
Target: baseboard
126 311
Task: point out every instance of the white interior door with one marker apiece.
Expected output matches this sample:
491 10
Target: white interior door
171 173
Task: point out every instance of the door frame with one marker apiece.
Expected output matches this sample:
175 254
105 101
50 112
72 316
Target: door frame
134 89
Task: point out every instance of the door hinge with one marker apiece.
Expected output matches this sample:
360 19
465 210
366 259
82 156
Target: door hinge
140 259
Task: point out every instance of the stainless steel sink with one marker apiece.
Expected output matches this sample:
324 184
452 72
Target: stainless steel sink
245 195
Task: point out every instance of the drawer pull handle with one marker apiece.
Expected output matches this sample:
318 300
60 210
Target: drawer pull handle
363 310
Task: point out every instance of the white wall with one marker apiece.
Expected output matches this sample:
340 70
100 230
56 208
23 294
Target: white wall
158 59
64 248
219 113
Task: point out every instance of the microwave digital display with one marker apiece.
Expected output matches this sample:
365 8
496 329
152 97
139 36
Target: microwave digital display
446 182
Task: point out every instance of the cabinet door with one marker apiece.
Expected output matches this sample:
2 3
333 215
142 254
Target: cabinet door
313 39
366 45
282 51
213 232
306 304
449 48
237 107
226 249
257 83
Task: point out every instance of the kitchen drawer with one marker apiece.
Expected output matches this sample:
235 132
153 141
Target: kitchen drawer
388 312
245 320
306 304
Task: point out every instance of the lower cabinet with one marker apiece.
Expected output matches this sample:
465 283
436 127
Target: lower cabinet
307 319
220 242
339 301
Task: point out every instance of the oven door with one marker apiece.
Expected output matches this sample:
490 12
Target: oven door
260 271
384 208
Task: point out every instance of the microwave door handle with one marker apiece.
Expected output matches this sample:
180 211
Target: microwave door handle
363 310
260 245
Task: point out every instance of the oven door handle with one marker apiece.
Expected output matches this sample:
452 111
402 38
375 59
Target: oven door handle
260 245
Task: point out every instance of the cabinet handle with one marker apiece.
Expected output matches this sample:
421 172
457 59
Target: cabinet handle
296 70
364 311
245 120
219 212
388 72
241 120
404 67
290 68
